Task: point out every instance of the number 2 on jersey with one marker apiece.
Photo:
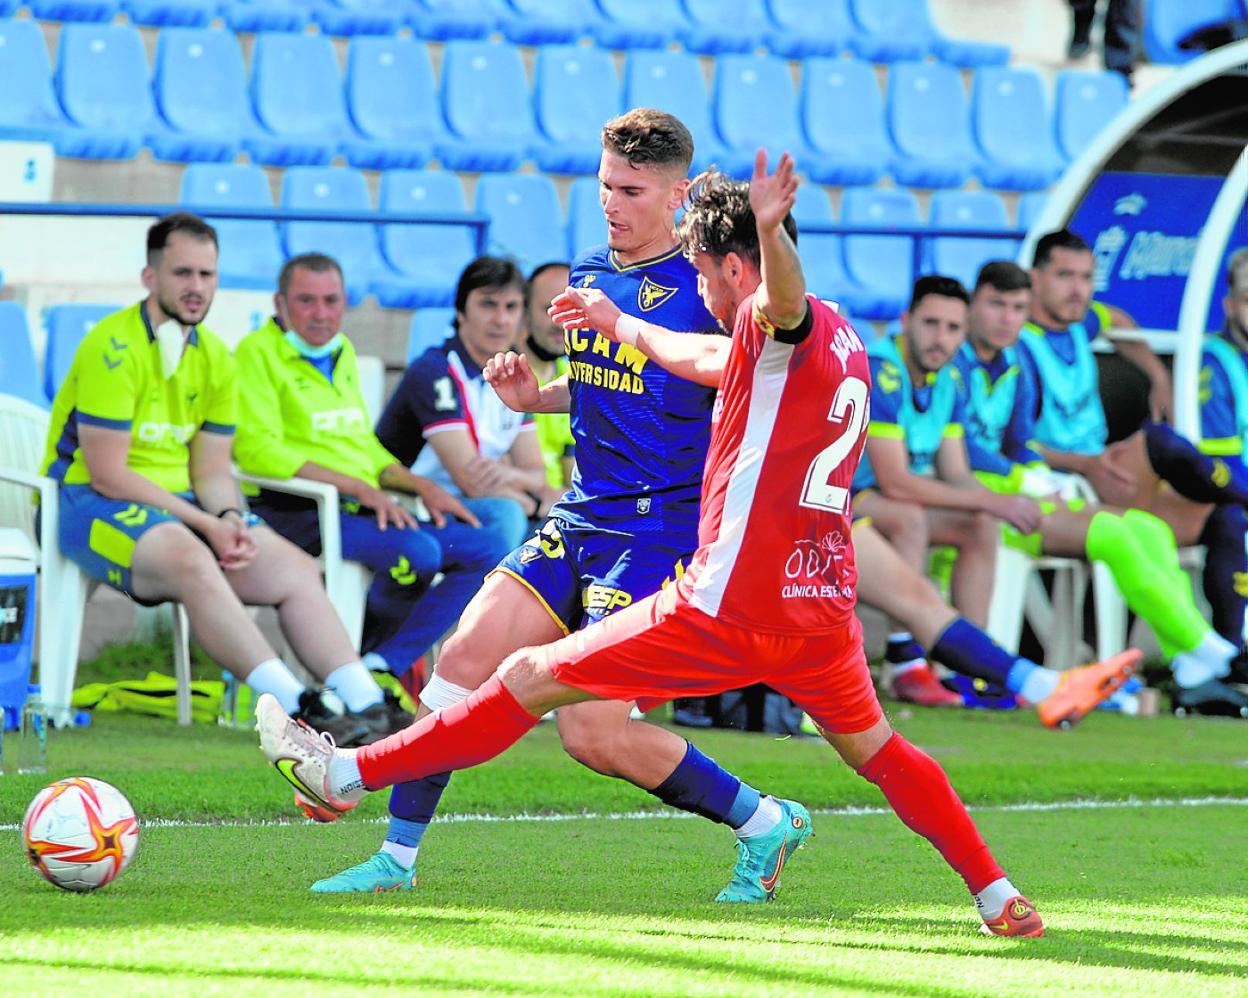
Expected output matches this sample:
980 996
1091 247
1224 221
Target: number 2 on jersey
849 407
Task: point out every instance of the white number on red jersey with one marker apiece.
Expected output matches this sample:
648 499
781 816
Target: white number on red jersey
849 406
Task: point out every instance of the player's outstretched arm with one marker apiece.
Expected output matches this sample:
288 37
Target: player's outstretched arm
781 296
691 356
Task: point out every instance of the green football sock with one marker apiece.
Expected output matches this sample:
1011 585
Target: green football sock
1142 571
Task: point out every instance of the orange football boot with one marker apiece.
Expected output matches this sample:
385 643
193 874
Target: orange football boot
1081 689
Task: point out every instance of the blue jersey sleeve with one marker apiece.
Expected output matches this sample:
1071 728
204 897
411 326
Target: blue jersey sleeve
1219 431
426 398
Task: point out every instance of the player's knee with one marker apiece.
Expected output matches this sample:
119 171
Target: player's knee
908 522
461 662
588 743
983 530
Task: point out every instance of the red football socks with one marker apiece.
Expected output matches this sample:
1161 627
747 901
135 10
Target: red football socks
469 733
919 791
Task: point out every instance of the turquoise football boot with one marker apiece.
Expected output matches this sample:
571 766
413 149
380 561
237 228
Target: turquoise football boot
760 858
380 872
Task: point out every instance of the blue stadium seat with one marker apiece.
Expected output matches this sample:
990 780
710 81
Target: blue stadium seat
265 15
200 86
718 26
431 327
673 82
810 29
1013 126
549 22
66 325
352 244
362 17
755 107
823 260
962 258
1086 103
442 20
1168 22
639 24
574 90
393 102
29 109
103 85
171 13
525 219
888 30
928 121
250 254
587 227
297 93
843 115
8 7
73 10
19 374
883 265
485 99
430 257
1029 207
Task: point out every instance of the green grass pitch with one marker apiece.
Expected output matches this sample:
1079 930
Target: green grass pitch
1139 898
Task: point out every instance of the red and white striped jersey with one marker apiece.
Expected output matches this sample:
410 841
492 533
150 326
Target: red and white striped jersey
789 426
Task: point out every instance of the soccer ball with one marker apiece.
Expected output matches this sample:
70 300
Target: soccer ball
80 833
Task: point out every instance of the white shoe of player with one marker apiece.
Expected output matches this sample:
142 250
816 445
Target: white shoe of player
302 756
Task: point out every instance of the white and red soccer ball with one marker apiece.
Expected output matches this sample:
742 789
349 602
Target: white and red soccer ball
80 833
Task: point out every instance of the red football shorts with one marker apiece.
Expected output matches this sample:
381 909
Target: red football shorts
662 648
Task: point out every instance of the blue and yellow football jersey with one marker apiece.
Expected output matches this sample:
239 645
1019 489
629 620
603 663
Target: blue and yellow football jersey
641 433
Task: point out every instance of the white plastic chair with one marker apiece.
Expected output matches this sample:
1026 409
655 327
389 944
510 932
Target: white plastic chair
372 385
63 586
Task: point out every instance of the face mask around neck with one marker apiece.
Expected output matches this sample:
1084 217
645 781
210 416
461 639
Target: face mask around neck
306 349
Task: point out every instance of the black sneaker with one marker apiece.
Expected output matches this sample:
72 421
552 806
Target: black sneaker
347 729
383 719
1213 698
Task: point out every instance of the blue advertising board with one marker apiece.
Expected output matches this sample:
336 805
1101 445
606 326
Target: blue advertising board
1143 229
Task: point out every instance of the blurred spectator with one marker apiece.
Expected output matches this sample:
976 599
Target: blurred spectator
1121 44
303 414
477 447
543 346
140 443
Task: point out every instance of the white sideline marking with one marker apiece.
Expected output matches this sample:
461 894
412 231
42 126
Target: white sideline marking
669 815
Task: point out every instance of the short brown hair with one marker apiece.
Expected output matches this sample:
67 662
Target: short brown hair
1237 270
718 219
1002 275
179 221
318 263
646 137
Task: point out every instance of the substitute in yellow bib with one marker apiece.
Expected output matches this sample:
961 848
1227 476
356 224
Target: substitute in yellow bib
140 442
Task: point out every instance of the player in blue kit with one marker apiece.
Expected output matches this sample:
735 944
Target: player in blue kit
623 528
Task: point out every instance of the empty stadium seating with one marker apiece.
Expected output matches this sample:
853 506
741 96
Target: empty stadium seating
811 29
429 257
250 253
1015 153
755 106
1167 23
1085 103
574 91
586 225
962 258
527 221
485 99
928 121
843 115
170 13
361 17
66 326
393 102
822 255
297 93
638 24
549 22
19 374
73 10
265 15
443 20
718 26
673 82
200 88
880 264
1029 207
430 327
29 109
102 83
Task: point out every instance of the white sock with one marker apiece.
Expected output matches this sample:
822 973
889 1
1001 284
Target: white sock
1040 684
345 781
765 817
1216 652
1190 670
375 663
405 856
355 686
272 676
990 902
901 668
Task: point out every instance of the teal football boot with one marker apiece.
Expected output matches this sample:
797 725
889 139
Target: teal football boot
380 872
760 858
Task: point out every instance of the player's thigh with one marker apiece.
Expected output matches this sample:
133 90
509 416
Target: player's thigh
887 582
1186 518
504 616
894 519
278 571
961 528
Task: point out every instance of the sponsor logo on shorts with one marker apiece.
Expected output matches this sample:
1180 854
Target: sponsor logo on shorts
604 598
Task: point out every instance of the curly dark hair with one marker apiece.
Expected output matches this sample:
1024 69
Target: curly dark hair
646 137
718 218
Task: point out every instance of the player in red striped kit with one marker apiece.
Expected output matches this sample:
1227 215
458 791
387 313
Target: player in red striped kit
768 597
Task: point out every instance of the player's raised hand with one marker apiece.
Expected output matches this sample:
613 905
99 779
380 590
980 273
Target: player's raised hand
772 197
513 381
578 308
